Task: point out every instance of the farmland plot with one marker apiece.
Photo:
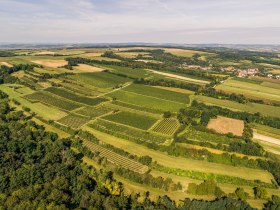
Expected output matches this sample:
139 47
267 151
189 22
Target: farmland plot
158 93
73 121
116 158
74 97
127 132
100 79
167 126
95 111
52 100
132 119
226 125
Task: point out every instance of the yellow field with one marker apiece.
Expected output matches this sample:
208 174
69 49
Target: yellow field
51 63
88 68
256 91
183 52
226 125
6 64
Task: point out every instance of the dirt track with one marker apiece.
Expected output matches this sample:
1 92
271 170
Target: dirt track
179 77
266 138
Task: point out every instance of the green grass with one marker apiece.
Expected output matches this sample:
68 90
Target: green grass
250 90
146 101
74 97
45 111
53 100
131 119
158 93
264 109
100 79
73 121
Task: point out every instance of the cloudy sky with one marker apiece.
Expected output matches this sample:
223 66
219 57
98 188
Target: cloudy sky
152 21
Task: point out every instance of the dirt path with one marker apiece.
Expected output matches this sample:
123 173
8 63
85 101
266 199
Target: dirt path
179 77
266 138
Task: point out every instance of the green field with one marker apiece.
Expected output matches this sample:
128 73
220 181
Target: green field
146 101
73 120
100 79
158 93
45 111
47 98
95 111
74 97
251 90
131 119
127 132
248 107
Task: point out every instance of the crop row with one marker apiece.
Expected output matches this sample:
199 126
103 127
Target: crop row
167 126
94 111
73 121
116 158
74 97
132 119
52 100
129 133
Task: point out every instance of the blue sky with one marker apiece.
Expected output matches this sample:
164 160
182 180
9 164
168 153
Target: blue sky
157 21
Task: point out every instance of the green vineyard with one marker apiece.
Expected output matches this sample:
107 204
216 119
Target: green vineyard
132 119
94 111
74 97
116 158
73 121
127 132
52 100
167 126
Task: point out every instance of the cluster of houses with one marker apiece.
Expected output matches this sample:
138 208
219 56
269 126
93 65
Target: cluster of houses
247 72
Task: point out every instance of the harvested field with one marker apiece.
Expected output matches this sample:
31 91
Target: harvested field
51 63
187 79
5 64
184 52
226 125
44 53
88 68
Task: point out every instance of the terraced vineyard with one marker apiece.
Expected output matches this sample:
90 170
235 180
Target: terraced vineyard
73 121
167 126
132 119
52 100
126 132
74 97
116 158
